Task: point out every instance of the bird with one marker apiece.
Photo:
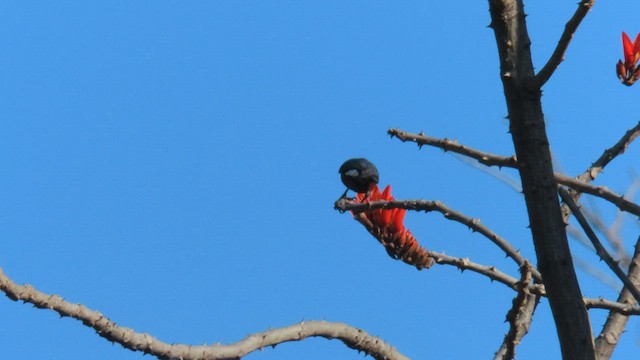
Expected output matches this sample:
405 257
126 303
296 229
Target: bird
359 175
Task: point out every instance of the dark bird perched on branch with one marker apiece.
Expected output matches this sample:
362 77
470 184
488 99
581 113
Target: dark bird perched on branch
359 175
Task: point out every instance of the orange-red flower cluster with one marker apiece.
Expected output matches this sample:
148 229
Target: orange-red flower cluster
628 71
387 225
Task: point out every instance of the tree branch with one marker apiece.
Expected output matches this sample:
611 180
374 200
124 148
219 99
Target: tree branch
625 309
596 168
493 273
609 154
616 322
600 250
449 145
527 129
519 316
503 161
558 54
601 192
537 289
350 336
489 271
427 206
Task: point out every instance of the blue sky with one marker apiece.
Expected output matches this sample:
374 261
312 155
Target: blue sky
174 166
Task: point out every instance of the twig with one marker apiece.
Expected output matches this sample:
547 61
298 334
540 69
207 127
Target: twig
519 316
449 145
617 322
624 309
596 168
427 206
599 191
489 271
558 54
609 154
351 336
600 250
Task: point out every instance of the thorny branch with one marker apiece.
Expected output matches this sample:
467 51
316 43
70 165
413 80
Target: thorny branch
625 309
489 271
519 316
452 145
609 154
616 322
578 184
607 340
531 144
598 166
350 336
600 250
558 54
427 206
599 191
496 275
524 321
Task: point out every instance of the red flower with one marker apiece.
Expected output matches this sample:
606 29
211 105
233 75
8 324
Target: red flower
389 219
629 71
387 225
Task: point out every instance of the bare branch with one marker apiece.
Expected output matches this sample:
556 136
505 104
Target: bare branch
599 191
616 322
453 146
427 206
494 274
600 250
625 309
558 54
350 336
503 161
519 316
489 271
525 316
596 168
609 154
